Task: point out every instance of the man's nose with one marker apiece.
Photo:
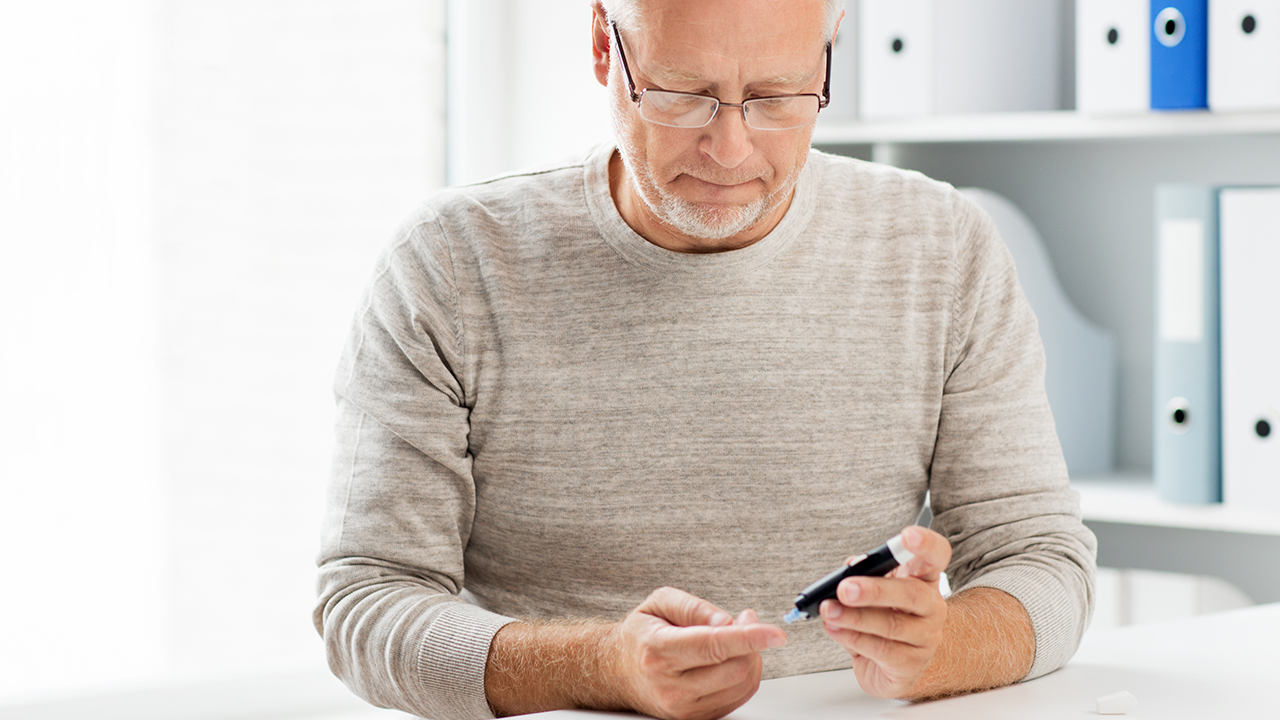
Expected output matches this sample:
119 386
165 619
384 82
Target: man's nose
727 139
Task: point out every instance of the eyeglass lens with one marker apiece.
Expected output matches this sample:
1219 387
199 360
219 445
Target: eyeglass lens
693 111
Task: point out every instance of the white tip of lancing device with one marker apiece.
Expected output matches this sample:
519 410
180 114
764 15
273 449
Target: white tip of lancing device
1117 703
900 551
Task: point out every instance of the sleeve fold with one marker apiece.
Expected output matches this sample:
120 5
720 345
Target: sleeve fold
401 501
999 488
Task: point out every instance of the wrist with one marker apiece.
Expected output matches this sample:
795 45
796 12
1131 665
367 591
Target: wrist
611 686
988 642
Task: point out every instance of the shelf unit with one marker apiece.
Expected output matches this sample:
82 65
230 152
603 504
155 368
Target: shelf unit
1045 127
1087 184
1131 499
1136 529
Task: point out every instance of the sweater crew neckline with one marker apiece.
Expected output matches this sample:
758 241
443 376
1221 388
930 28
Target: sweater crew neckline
639 251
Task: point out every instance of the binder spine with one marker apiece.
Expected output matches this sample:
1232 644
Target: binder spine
1186 394
1250 250
1113 56
1179 54
1244 54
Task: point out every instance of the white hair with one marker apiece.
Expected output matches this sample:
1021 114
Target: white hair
626 13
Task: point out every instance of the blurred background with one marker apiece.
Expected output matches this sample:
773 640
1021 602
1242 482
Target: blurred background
192 196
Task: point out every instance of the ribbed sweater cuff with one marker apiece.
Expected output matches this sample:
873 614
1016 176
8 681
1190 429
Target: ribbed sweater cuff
1054 616
452 659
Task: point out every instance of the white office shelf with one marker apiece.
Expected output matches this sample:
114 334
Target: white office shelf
1132 500
1062 125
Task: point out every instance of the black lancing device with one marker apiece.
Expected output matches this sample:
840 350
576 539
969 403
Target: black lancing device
877 563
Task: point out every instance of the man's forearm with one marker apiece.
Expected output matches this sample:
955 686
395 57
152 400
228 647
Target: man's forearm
988 642
674 656
534 668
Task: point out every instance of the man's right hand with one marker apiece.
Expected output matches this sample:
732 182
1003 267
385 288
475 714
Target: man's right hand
683 658
675 656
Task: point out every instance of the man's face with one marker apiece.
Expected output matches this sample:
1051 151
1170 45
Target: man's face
724 185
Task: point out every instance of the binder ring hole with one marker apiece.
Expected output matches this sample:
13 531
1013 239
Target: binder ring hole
1249 24
1113 36
1170 27
1263 428
897 45
1179 413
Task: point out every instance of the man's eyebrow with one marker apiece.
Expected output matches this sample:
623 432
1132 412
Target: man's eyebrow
666 73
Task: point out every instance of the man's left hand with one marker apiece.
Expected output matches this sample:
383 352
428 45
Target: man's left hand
892 626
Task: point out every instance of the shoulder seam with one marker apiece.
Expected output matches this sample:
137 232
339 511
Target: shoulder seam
459 332
521 173
953 341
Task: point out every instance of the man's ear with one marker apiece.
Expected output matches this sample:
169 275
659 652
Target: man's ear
600 43
836 31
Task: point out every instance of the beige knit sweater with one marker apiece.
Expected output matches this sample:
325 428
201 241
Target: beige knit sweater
541 415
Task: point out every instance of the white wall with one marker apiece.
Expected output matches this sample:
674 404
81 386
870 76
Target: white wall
80 481
521 88
192 195
296 134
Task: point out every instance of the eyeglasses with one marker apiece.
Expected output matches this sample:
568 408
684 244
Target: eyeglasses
688 110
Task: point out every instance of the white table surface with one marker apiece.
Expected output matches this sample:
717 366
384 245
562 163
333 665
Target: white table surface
1224 666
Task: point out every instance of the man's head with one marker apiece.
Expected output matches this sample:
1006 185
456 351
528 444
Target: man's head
626 14
724 185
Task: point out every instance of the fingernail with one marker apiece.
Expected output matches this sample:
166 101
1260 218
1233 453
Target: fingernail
911 535
850 593
776 641
721 619
834 610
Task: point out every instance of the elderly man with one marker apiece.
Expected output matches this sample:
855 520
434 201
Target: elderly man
599 423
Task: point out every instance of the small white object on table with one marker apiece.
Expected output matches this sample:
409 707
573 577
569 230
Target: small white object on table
1117 703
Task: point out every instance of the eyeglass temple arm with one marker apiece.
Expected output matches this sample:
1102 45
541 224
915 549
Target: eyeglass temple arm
622 58
826 81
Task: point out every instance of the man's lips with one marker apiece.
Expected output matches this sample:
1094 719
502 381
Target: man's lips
720 188
726 184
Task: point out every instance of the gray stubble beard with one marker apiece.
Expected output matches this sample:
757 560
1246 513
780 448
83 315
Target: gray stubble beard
687 217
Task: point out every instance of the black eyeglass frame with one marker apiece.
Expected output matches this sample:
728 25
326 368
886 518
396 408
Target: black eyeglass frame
823 100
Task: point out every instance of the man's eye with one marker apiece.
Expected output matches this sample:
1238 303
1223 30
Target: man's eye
674 102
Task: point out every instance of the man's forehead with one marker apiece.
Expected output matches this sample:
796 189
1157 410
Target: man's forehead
692 42
749 15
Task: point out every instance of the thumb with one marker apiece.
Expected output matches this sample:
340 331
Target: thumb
682 609
932 553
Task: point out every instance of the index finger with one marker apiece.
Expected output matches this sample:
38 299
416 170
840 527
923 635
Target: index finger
702 646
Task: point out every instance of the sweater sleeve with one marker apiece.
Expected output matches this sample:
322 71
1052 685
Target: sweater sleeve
401 499
999 488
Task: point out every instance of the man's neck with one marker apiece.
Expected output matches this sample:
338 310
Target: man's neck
637 214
